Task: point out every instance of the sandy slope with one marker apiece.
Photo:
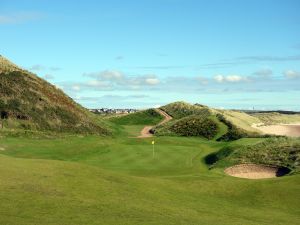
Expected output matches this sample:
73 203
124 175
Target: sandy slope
253 171
292 130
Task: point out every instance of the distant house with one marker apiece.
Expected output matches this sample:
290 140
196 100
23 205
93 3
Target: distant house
112 111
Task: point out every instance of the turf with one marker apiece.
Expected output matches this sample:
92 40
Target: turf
97 180
146 117
115 180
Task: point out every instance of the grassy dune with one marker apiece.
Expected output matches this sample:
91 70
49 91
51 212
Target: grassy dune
201 121
240 119
146 117
277 118
29 102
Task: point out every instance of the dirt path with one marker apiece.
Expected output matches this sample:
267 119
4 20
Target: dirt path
145 133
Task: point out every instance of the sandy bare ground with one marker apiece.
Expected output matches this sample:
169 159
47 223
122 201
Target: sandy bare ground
253 171
291 130
145 133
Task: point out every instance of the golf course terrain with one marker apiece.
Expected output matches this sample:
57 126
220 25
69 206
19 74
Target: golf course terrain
62 165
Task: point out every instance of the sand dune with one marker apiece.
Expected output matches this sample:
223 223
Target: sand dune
291 130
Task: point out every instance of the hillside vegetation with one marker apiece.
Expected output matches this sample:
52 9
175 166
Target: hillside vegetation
182 109
31 103
145 117
7 66
239 119
277 118
281 152
202 121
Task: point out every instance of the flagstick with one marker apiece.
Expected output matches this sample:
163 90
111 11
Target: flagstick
153 150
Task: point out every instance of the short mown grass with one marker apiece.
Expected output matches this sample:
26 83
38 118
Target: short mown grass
100 180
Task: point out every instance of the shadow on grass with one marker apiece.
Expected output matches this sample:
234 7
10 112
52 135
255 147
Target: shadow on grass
216 156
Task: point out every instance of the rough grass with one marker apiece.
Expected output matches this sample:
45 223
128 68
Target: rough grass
239 119
281 152
190 120
146 117
30 103
226 125
182 109
277 118
195 125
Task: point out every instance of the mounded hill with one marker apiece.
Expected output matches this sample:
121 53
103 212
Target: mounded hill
202 121
31 103
181 109
281 152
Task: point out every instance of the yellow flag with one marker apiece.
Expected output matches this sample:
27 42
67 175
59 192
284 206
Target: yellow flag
153 142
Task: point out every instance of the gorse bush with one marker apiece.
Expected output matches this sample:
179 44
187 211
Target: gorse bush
195 126
181 109
280 151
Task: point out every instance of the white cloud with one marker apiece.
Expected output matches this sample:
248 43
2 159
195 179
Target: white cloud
96 83
119 79
48 77
229 78
39 67
152 81
291 74
111 74
76 88
219 78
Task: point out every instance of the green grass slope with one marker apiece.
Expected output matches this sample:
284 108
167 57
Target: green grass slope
31 103
182 109
146 117
277 118
208 127
240 119
199 120
132 124
281 152
97 180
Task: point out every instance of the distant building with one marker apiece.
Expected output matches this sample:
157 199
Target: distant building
112 111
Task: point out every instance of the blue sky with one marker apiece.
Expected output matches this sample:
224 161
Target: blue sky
146 53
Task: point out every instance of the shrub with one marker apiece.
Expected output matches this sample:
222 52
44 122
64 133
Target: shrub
279 151
181 109
195 126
